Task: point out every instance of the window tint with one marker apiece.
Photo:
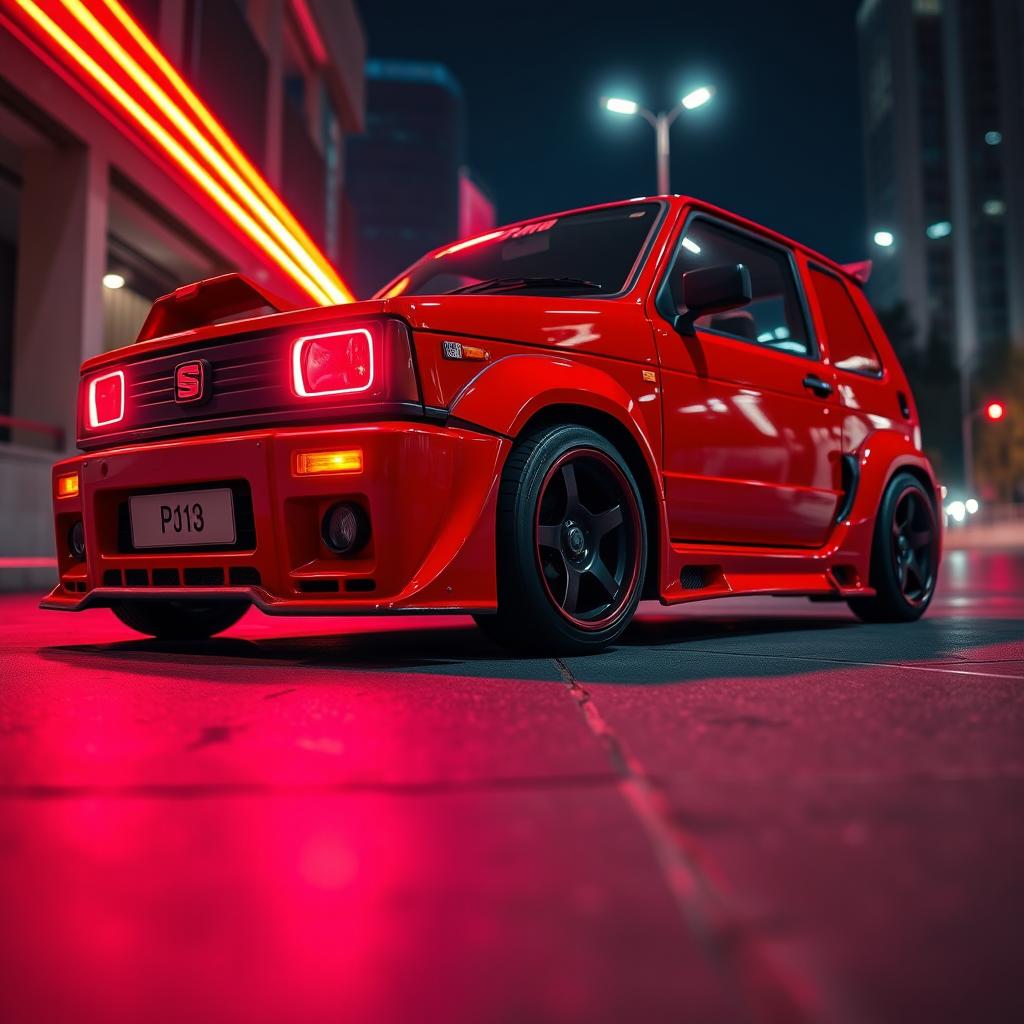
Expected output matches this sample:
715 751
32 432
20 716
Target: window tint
589 253
774 318
849 344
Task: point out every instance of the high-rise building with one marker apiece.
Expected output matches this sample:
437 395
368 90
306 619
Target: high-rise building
122 132
943 123
407 183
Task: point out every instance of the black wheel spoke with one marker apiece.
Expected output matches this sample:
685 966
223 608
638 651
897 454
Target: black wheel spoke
604 522
572 590
549 536
920 538
922 567
604 576
572 494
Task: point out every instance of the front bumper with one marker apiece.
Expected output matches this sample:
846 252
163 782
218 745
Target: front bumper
429 492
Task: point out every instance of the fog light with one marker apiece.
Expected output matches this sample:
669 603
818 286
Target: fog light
76 540
345 528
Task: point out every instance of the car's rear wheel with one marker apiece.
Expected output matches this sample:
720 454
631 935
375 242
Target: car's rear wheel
572 544
180 620
904 554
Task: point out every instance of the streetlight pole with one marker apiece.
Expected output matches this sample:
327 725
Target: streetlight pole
661 123
661 127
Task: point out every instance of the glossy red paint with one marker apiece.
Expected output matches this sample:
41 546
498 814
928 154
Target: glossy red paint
753 482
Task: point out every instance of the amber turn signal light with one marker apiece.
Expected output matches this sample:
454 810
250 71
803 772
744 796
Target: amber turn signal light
67 486
349 460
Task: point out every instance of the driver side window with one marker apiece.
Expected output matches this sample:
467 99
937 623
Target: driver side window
774 317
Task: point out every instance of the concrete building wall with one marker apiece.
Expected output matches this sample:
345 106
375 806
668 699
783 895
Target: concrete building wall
83 195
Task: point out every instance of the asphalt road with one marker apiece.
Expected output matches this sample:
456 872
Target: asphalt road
748 810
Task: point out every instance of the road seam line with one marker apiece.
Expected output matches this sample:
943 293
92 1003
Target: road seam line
785 993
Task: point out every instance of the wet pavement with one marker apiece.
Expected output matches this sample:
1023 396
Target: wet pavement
747 810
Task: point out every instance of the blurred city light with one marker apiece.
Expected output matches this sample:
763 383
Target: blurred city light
993 138
113 281
957 511
620 106
995 411
884 239
940 229
972 506
994 207
698 97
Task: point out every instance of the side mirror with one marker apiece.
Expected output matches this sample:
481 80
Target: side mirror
713 290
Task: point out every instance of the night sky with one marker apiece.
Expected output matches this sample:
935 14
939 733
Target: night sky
780 143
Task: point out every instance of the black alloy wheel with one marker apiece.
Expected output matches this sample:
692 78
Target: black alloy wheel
571 544
904 554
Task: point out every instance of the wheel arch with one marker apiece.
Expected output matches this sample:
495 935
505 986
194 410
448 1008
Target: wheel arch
881 457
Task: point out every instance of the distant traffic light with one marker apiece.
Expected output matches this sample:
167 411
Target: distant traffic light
994 411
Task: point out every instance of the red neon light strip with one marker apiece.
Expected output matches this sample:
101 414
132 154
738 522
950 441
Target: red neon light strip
219 134
310 33
260 218
27 562
200 143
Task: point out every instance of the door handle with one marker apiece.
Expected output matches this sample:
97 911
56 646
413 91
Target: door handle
820 387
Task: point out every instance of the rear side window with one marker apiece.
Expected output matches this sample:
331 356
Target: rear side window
849 344
774 318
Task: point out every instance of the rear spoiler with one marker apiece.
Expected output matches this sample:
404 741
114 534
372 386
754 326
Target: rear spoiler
860 272
207 302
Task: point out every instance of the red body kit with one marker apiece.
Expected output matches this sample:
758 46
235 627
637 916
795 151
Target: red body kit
761 470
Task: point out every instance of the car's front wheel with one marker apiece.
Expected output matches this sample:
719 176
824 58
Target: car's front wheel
180 620
904 554
571 544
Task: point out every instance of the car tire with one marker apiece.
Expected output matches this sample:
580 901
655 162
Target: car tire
180 620
571 544
904 554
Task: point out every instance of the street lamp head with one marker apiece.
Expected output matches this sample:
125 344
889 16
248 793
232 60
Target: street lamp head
698 97
619 106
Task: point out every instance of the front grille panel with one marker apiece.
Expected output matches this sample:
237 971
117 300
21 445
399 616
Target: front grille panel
249 386
247 375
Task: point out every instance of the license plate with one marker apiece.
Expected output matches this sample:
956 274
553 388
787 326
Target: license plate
183 519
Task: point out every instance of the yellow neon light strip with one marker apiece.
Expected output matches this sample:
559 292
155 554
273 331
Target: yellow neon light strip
211 124
188 129
206 181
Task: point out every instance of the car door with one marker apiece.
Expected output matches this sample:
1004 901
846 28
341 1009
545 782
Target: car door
872 396
751 435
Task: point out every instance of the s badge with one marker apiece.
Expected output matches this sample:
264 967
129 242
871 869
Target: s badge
192 382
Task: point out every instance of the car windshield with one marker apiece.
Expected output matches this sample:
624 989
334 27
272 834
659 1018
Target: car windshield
590 253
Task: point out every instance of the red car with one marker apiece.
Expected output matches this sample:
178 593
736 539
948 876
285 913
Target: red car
540 426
